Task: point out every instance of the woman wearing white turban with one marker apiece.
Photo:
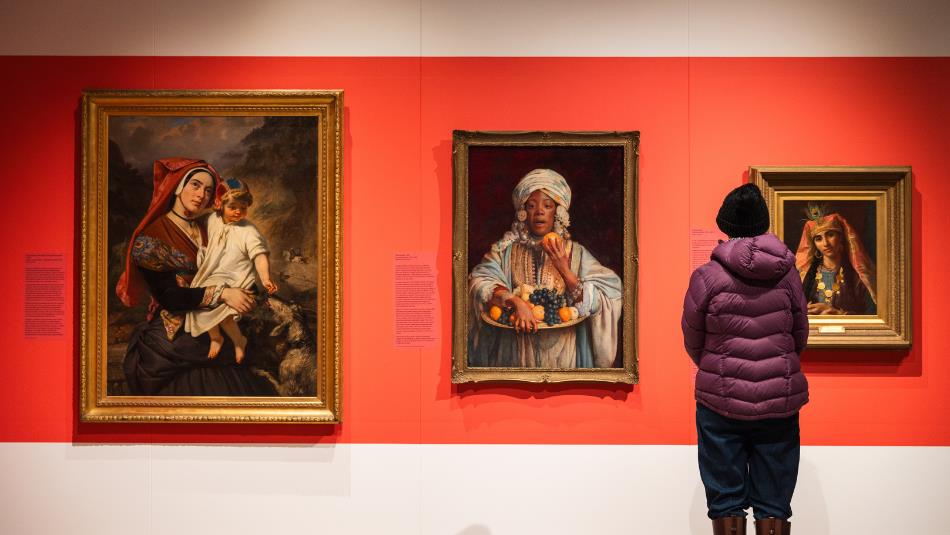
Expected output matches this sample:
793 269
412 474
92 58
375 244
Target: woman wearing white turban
541 202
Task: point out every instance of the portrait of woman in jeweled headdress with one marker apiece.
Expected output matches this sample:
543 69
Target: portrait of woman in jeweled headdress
850 230
837 272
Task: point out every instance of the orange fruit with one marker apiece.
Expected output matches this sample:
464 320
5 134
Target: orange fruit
538 312
564 313
494 313
552 237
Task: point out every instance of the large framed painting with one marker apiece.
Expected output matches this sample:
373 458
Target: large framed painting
545 256
850 229
211 248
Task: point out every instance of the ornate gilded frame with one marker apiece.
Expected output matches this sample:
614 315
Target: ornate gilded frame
890 189
462 141
96 405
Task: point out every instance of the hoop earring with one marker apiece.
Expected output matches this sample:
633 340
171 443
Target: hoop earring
817 254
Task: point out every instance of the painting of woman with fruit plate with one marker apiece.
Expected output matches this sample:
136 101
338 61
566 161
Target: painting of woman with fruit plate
545 292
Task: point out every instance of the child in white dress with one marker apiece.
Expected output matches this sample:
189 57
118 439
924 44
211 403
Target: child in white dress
235 257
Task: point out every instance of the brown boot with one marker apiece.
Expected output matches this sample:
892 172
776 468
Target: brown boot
729 525
772 526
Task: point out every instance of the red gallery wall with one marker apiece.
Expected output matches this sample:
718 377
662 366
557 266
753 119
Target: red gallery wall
703 121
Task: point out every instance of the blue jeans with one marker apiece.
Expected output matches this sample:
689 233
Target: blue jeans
748 463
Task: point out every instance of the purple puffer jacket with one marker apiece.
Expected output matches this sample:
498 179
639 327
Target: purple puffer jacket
745 322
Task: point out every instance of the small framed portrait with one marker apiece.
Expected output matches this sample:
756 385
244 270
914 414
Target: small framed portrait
850 230
210 271
545 256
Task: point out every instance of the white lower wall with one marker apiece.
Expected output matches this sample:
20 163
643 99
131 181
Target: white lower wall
439 489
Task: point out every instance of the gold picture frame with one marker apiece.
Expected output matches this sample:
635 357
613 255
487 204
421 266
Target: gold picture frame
595 176
286 148
870 210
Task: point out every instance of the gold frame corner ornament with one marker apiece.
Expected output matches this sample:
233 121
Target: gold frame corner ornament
891 187
95 404
628 373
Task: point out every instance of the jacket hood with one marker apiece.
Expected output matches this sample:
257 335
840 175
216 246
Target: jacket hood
762 257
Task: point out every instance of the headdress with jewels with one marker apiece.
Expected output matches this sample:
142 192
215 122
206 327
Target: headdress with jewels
555 186
818 220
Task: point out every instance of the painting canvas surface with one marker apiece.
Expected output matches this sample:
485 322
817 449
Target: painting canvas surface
276 157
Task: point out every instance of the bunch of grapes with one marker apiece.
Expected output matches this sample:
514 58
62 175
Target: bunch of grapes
507 313
551 301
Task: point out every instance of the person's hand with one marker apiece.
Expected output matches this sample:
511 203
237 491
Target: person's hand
556 250
524 318
270 286
823 309
239 299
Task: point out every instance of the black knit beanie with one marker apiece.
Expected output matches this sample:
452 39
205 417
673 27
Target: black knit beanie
743 213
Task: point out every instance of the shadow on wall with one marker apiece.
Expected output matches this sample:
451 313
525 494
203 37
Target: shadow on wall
474 394
475 530
809 501
699 523
843 362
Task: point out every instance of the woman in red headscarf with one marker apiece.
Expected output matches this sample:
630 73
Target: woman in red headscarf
161 358
837 274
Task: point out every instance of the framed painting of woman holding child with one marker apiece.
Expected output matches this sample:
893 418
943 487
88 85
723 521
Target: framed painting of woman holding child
851 230
210 268
544 262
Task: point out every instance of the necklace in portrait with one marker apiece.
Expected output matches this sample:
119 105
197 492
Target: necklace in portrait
189 227
532 266
835 290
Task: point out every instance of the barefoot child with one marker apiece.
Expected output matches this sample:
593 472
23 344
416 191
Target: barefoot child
235 257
